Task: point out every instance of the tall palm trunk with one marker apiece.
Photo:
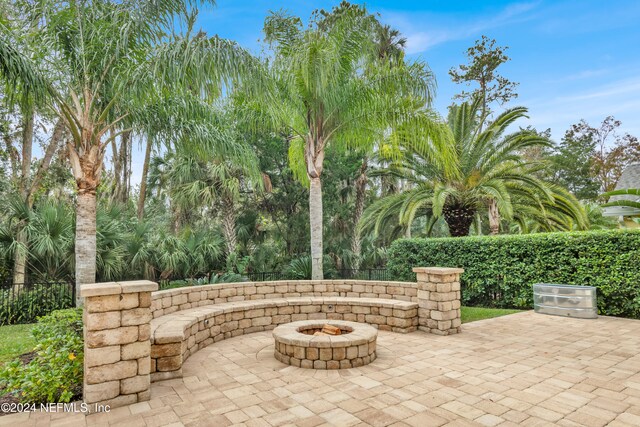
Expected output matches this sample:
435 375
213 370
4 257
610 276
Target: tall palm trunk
85 241
494 218
315 222
361 188
229 224
143 181
87 168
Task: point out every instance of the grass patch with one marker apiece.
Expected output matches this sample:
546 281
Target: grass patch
14 341
471 314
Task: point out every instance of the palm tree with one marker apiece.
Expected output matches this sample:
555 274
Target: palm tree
320 96
389 43
490 177
111 60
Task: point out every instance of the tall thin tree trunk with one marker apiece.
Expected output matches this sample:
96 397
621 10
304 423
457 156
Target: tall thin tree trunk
229 225
143 181
315 222
494 218
20 257
356 238
85 245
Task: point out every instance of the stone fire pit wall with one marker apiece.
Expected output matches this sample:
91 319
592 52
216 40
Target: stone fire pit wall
355 348
117 344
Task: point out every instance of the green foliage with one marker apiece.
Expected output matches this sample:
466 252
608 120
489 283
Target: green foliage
500 270
55 374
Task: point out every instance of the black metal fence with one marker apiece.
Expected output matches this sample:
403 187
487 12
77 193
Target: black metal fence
24 303
267 276
365 274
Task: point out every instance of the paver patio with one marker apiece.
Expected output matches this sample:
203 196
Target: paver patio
523 369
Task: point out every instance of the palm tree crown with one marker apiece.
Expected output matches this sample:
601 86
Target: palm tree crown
489 175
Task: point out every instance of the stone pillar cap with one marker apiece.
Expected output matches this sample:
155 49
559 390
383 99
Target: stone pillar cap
438 270
117 288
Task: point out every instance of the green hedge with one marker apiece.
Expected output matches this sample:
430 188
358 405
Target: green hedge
500 270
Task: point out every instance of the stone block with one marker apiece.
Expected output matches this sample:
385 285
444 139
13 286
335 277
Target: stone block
320 364
261 321
135 384
136 316
444 315
124 335
114 371
170 363
101 356
363 350
144 365
135 350
375 319
339 353
443 287
98 392
333 364
445 306
326 354
104 303
101 321
313 353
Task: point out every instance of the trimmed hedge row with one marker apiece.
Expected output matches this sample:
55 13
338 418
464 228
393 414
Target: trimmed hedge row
500 270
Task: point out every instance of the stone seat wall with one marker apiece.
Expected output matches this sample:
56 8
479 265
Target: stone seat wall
174 337
172 300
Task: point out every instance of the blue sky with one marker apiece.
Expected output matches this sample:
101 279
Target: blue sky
573 59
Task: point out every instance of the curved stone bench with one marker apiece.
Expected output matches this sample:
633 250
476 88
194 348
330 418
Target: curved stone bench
176 336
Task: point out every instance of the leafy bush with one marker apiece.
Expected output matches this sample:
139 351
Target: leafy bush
500 270
30 303
55 373
300 268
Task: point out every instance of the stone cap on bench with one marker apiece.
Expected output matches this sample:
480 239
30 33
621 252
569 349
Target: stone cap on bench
117 288
438 270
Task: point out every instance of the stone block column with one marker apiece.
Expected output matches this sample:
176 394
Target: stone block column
439 299
117 346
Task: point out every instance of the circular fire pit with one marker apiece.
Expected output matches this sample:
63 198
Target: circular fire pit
296 344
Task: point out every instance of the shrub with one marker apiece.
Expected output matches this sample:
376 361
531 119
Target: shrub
500 270
55 373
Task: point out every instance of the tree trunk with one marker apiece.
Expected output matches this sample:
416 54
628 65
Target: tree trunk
20 258
361 188
494 218
27 149
229 225
143 181
85 245
315 222
86 166
459 219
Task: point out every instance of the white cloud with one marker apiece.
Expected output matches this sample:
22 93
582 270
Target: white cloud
419 40
620 98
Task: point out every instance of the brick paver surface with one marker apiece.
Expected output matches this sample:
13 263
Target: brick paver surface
523 369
